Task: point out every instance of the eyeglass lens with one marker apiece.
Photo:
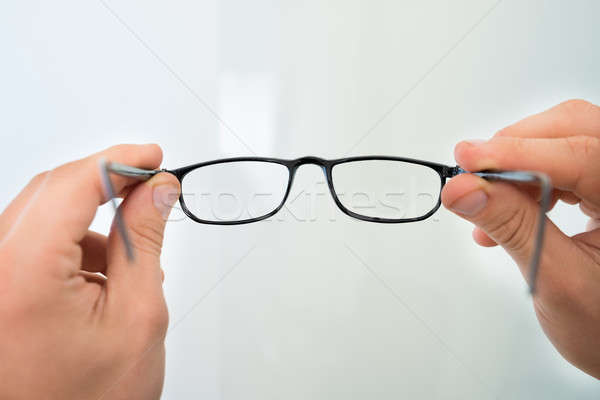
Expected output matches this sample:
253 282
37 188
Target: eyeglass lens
386 189
244 190
235 191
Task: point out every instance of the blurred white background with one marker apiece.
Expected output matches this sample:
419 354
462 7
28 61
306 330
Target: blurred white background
312 304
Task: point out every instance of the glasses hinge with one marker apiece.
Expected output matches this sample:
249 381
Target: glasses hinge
450 172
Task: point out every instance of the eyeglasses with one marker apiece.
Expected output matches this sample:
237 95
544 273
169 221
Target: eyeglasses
381 189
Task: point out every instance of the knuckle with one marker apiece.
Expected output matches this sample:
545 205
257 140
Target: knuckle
506 131
584 151
70 169
520 146
575 114
577 106
583 146
520 231
64 170
147 236
38 178
512 229
572 117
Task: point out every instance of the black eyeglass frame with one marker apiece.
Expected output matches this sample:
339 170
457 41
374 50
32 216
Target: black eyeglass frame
327 166
444 172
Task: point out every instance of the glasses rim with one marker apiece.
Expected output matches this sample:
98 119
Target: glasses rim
426 164
186 170
539 178
297 162
327 165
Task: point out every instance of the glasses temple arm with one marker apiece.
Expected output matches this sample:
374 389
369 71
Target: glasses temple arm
131 172
124 170
545 184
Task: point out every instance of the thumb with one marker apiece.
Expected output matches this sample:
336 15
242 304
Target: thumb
509 217
145 211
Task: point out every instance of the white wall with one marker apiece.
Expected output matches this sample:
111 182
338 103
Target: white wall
284 309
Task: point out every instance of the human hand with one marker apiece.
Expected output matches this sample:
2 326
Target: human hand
68 333
563 142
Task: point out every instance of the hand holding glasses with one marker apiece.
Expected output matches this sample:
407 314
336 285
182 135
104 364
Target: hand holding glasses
380 189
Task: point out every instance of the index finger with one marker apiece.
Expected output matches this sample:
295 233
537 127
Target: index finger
570 118
71 193
573 163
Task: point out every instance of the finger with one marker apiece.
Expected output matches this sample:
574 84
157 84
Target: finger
93 277
9 217
93 246
571 118
71 193
590 210
554 197
573 163
482 239
535 193
568 197
592 225
509 217
144 213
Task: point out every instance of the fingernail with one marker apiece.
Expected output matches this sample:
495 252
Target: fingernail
470 204
164 197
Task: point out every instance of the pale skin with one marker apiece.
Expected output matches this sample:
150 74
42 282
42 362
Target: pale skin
68 333
71 334
563 142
